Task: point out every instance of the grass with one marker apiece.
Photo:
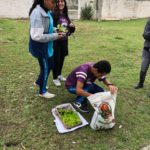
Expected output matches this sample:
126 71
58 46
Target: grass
26 119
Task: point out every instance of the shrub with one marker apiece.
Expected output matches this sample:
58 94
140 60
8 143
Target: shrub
86 12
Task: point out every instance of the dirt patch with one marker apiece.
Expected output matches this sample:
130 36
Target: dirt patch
146 148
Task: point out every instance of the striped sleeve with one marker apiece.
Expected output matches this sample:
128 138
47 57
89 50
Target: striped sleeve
81 76
102 78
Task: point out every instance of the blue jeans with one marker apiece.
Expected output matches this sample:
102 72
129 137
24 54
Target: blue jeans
91 88
46 64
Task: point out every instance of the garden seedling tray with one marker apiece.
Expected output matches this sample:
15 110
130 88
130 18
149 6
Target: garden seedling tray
68 116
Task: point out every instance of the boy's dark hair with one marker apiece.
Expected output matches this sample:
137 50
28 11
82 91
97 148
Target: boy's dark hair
103 66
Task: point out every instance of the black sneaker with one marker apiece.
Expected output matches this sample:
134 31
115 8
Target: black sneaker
138 86
81 107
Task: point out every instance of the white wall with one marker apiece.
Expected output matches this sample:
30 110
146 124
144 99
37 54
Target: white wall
125 9
14 8
20 8
108 9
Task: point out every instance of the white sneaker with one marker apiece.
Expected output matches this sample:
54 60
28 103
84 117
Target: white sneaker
61 78
47 95
56 82
35 84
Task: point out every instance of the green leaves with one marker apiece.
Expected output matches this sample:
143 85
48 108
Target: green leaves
61 28
69 117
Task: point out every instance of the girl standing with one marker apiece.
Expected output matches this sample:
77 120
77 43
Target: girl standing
62 20
41 41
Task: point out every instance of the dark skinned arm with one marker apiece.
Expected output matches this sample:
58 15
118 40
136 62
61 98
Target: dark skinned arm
110 86
80 91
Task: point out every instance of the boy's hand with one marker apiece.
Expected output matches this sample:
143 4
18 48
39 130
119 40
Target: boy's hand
113 89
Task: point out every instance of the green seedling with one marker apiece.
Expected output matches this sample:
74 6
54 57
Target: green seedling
69 117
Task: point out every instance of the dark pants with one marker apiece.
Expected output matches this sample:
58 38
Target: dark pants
45 67
145 61
91 88
60 51
58 64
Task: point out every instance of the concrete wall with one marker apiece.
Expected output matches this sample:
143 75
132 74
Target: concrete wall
72 4
20 8
14 8
103 9
73 8
124 9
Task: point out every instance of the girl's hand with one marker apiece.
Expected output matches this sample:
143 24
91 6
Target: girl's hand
60 36
56 30
71 25
71 29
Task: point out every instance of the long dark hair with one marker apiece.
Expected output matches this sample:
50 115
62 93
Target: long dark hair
35 3
56 12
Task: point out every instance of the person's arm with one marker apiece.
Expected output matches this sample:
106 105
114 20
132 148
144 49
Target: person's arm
146 33
72 25
71 28
37 30
110 86
80 91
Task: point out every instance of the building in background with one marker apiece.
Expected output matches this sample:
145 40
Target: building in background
103 9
